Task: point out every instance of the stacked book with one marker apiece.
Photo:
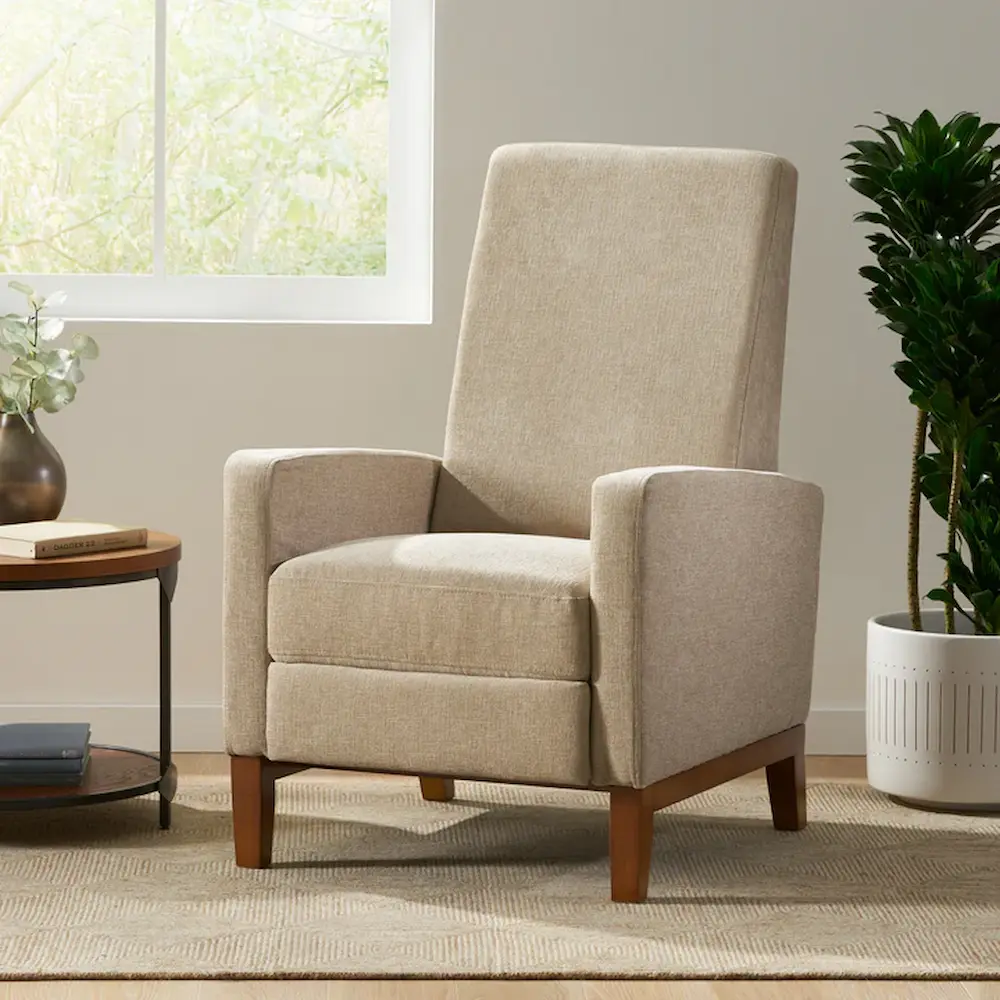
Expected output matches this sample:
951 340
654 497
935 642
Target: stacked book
52 539
43 753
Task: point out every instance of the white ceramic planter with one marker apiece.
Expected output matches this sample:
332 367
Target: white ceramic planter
933 713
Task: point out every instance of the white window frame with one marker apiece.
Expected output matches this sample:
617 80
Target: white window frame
403 295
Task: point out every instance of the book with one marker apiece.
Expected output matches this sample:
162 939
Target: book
69 766
44 740
41 780
31 772
50 539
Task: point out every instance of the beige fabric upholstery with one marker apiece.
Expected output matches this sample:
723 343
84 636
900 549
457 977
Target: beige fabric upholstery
704 594
487 604
625 308
279 504
390 720
613 421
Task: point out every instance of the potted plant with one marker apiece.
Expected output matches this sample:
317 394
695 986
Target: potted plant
43 376
933 676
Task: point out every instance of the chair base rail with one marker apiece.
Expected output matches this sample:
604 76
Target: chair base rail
631 835
632 809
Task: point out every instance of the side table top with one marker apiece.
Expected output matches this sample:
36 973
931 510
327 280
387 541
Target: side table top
161 551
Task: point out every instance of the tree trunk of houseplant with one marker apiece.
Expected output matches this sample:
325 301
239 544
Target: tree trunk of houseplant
957 455
913 534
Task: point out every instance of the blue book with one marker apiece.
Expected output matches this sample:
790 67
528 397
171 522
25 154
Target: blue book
44 740
30 766
42 780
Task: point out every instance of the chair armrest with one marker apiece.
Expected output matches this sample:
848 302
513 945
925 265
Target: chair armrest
704 592
279 504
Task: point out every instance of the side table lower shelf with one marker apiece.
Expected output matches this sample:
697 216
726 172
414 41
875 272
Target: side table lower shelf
113 773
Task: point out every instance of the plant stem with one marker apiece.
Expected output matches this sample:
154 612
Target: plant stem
956 485
34 351
977 621
913 530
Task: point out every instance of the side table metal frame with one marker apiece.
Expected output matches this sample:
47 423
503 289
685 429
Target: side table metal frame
167 784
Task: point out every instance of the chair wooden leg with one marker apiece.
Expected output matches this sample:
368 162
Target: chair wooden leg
631 845
437 789
784 757
253 810
786 786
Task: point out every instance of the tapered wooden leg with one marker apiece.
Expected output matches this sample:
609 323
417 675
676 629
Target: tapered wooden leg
253 810
786 786
631 845
437 789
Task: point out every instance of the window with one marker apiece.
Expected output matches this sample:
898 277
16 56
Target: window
236 160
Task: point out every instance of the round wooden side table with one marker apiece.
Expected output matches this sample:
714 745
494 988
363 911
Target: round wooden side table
113 772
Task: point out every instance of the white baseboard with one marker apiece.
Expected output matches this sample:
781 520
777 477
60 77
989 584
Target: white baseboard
833 731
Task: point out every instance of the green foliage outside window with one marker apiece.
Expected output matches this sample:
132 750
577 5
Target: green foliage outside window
276 137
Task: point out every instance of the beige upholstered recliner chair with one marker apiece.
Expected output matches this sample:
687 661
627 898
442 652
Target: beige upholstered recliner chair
602 584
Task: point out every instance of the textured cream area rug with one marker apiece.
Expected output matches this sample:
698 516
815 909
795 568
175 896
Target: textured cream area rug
370 881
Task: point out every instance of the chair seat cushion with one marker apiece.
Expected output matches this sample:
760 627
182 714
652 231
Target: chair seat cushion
482 604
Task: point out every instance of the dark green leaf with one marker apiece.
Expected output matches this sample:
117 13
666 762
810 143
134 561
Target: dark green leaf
982 135
984 228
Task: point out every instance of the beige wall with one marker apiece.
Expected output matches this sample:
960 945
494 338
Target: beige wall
164 407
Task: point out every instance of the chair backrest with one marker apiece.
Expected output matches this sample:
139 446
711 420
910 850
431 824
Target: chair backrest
625 307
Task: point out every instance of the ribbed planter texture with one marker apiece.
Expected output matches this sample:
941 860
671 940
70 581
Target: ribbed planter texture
933 713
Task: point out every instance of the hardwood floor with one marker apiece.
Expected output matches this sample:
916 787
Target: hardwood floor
817 768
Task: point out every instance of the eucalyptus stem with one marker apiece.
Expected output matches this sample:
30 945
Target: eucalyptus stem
956 486
34 351
913 530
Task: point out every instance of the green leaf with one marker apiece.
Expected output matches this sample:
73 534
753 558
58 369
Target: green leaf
963 127
875 275
988 224
16 391
61 364
939 505
85 346
50 329
866 187
897 125
910 375
982 601
9 386
20 286
977 454
939 594
937 483
28 368
982 136
14 342
53 300
54 395
943 402
874 218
